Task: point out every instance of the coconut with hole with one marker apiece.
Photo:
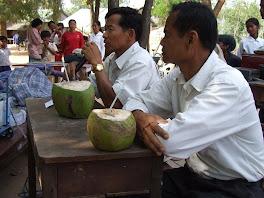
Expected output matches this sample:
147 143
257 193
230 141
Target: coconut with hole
113 132
73 99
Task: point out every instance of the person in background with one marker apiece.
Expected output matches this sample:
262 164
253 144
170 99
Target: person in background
61 27
4 55
97 37
48 49
71 39
16 39
253 41
35 40
204 112
228 44
4 46
56 33
128 62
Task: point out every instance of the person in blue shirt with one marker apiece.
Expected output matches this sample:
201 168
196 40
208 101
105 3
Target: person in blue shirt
17 41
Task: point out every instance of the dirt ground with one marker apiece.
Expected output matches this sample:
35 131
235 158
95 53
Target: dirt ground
18 57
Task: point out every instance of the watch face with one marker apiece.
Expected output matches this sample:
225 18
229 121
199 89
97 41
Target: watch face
99 67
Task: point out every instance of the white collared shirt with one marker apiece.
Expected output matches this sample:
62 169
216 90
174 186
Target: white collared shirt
49 57
136 65
214 125
99 40
249 45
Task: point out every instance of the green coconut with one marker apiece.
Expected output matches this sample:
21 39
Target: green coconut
112 132
73 99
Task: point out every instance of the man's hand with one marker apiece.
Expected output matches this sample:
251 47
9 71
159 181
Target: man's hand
92 53
147 126
71 72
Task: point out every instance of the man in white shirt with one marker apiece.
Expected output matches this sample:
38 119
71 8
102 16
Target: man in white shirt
128 62
212 120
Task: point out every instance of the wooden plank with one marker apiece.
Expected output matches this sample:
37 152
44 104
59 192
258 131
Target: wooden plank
156 177
48 181
31 164
105 177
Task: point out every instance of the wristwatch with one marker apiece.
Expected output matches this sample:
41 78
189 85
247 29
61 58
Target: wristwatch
98 67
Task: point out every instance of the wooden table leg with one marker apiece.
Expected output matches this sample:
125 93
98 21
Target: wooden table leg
31 166
156 178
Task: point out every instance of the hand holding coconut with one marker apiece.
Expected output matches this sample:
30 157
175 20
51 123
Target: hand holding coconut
147 127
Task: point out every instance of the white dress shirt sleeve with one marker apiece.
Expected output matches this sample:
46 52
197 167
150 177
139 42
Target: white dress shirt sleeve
139 76
156 100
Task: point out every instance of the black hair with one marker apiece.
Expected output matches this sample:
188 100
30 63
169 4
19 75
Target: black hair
130 18
60 24
72 20
36 22
227 40
99 24
50 23
253 20
44 34
198 17
3 38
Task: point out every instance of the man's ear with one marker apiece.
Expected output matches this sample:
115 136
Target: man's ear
192 38
131 34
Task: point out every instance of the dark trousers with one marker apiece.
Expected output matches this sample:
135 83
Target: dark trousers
182 183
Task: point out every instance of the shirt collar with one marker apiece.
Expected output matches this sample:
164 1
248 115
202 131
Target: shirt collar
200 79
250 38
121 60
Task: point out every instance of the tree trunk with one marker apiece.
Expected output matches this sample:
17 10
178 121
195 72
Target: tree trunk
91 6
56 8
218 7
146 14
208 3
113 4
97 7
3 31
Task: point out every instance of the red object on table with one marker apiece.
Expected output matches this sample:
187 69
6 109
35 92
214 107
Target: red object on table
252 60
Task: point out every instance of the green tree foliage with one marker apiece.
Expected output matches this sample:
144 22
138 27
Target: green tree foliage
17 10
232 18
162 8
78 4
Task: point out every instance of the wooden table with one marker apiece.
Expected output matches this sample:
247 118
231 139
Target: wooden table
257 88
69 166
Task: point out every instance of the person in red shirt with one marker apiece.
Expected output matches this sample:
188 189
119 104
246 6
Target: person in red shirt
71 39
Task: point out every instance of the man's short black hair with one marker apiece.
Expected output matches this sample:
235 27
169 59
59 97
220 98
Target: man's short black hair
50 23
198 17
36 22
72 20
3 38
227 40
130 18
44 34
60 24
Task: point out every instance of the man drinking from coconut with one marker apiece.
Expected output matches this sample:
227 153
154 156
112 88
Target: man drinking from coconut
203 112
128 62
